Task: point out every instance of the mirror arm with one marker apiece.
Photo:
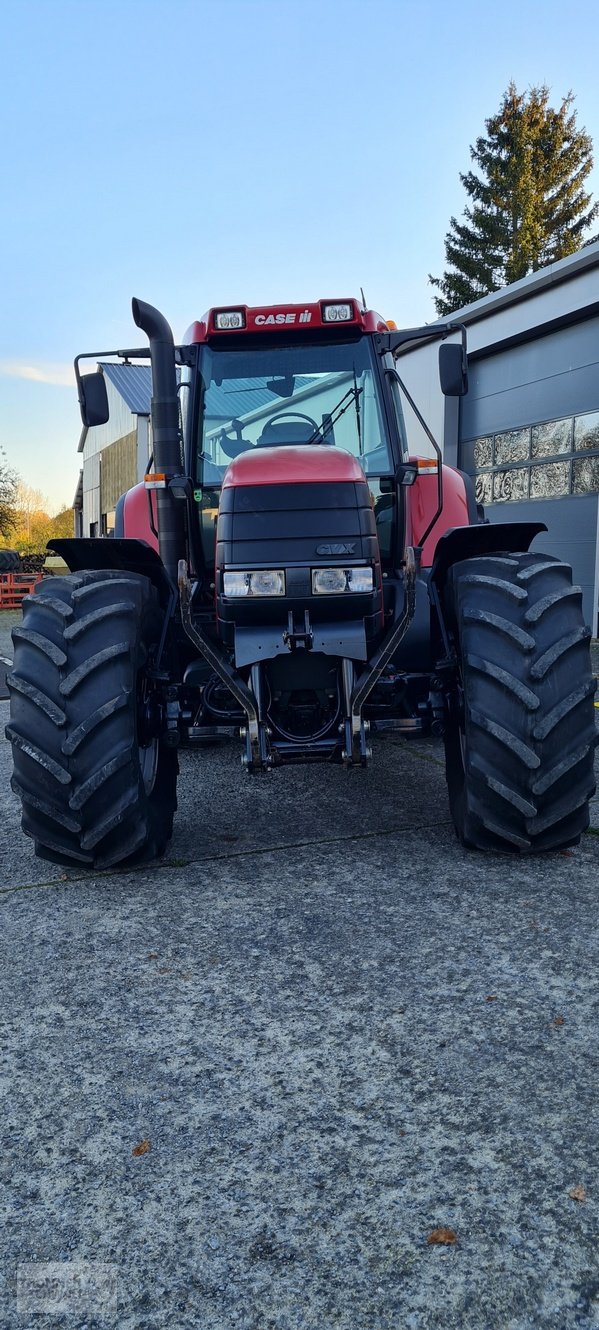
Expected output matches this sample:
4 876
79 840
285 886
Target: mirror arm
461 328
136 353
101 355
78 380
396 340
392 373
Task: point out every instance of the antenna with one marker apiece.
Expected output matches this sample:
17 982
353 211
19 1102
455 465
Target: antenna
363 297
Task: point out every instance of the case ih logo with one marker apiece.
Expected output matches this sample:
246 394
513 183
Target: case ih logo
291 316
348 548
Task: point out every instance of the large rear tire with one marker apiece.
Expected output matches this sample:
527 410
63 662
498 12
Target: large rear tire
520 740
97 785
9 561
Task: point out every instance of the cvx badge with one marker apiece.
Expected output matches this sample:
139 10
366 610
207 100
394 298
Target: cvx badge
329 550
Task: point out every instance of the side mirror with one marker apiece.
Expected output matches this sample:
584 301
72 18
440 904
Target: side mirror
93 399
453 369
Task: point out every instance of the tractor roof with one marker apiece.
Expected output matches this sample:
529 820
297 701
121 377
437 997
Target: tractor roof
263 320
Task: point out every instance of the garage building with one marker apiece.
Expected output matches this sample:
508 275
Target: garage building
528 429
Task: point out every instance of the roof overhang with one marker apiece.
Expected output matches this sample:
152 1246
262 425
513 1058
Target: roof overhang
78 499
575 265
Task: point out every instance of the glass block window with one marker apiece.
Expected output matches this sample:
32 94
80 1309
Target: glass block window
483 487
585 475
537 461
511 484
586 431
555 436
483 452
549 479
514 446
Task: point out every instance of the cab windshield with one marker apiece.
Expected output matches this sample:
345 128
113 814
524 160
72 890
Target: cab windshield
277 396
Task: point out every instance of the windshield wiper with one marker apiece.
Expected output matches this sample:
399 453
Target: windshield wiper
353 394
357 392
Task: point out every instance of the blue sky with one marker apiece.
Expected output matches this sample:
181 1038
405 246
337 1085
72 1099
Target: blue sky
207 151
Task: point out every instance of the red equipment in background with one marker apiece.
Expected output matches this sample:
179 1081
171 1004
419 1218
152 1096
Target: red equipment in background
14 586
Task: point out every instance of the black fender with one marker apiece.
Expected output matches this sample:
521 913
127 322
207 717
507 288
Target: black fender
469 542
95 553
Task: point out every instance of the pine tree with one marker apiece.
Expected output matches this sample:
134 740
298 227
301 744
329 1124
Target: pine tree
529 205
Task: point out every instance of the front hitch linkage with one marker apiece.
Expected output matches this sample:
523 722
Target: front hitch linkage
356 749
257 756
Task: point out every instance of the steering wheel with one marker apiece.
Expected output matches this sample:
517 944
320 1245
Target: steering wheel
233 447
295 415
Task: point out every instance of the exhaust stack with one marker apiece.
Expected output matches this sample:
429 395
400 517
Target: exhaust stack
165 430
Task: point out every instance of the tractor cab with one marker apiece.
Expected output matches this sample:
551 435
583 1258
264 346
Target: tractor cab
287 378
297 468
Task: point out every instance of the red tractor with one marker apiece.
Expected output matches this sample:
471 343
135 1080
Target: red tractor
289 572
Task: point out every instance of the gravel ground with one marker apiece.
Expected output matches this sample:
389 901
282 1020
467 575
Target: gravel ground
328 1031
8 620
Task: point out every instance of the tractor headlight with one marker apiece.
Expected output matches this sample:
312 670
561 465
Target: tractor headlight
229 318
261 582
339 313
334 581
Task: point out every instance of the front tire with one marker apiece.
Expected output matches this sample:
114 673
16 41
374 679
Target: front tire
97 785
521 734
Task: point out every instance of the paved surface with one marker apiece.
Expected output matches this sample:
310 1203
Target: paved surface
337 1031
7 620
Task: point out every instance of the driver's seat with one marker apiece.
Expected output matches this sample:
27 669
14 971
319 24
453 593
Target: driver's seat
285 432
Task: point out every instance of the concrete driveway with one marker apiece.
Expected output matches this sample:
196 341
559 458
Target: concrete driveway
243 1087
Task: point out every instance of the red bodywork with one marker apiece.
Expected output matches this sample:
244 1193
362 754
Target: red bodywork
422 498
298 465
136 515
307 464
263 319
292 465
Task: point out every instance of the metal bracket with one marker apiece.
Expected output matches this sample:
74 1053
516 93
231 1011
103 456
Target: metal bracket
302 638
257 754
357 751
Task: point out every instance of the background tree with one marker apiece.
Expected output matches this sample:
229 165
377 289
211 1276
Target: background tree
31 520
62 524
8 495
32 525
529 205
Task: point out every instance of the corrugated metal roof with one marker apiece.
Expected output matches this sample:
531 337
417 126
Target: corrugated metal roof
134 383
234 397
239 397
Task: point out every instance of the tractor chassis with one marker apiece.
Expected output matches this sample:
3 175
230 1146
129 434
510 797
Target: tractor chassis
352 746
438 692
